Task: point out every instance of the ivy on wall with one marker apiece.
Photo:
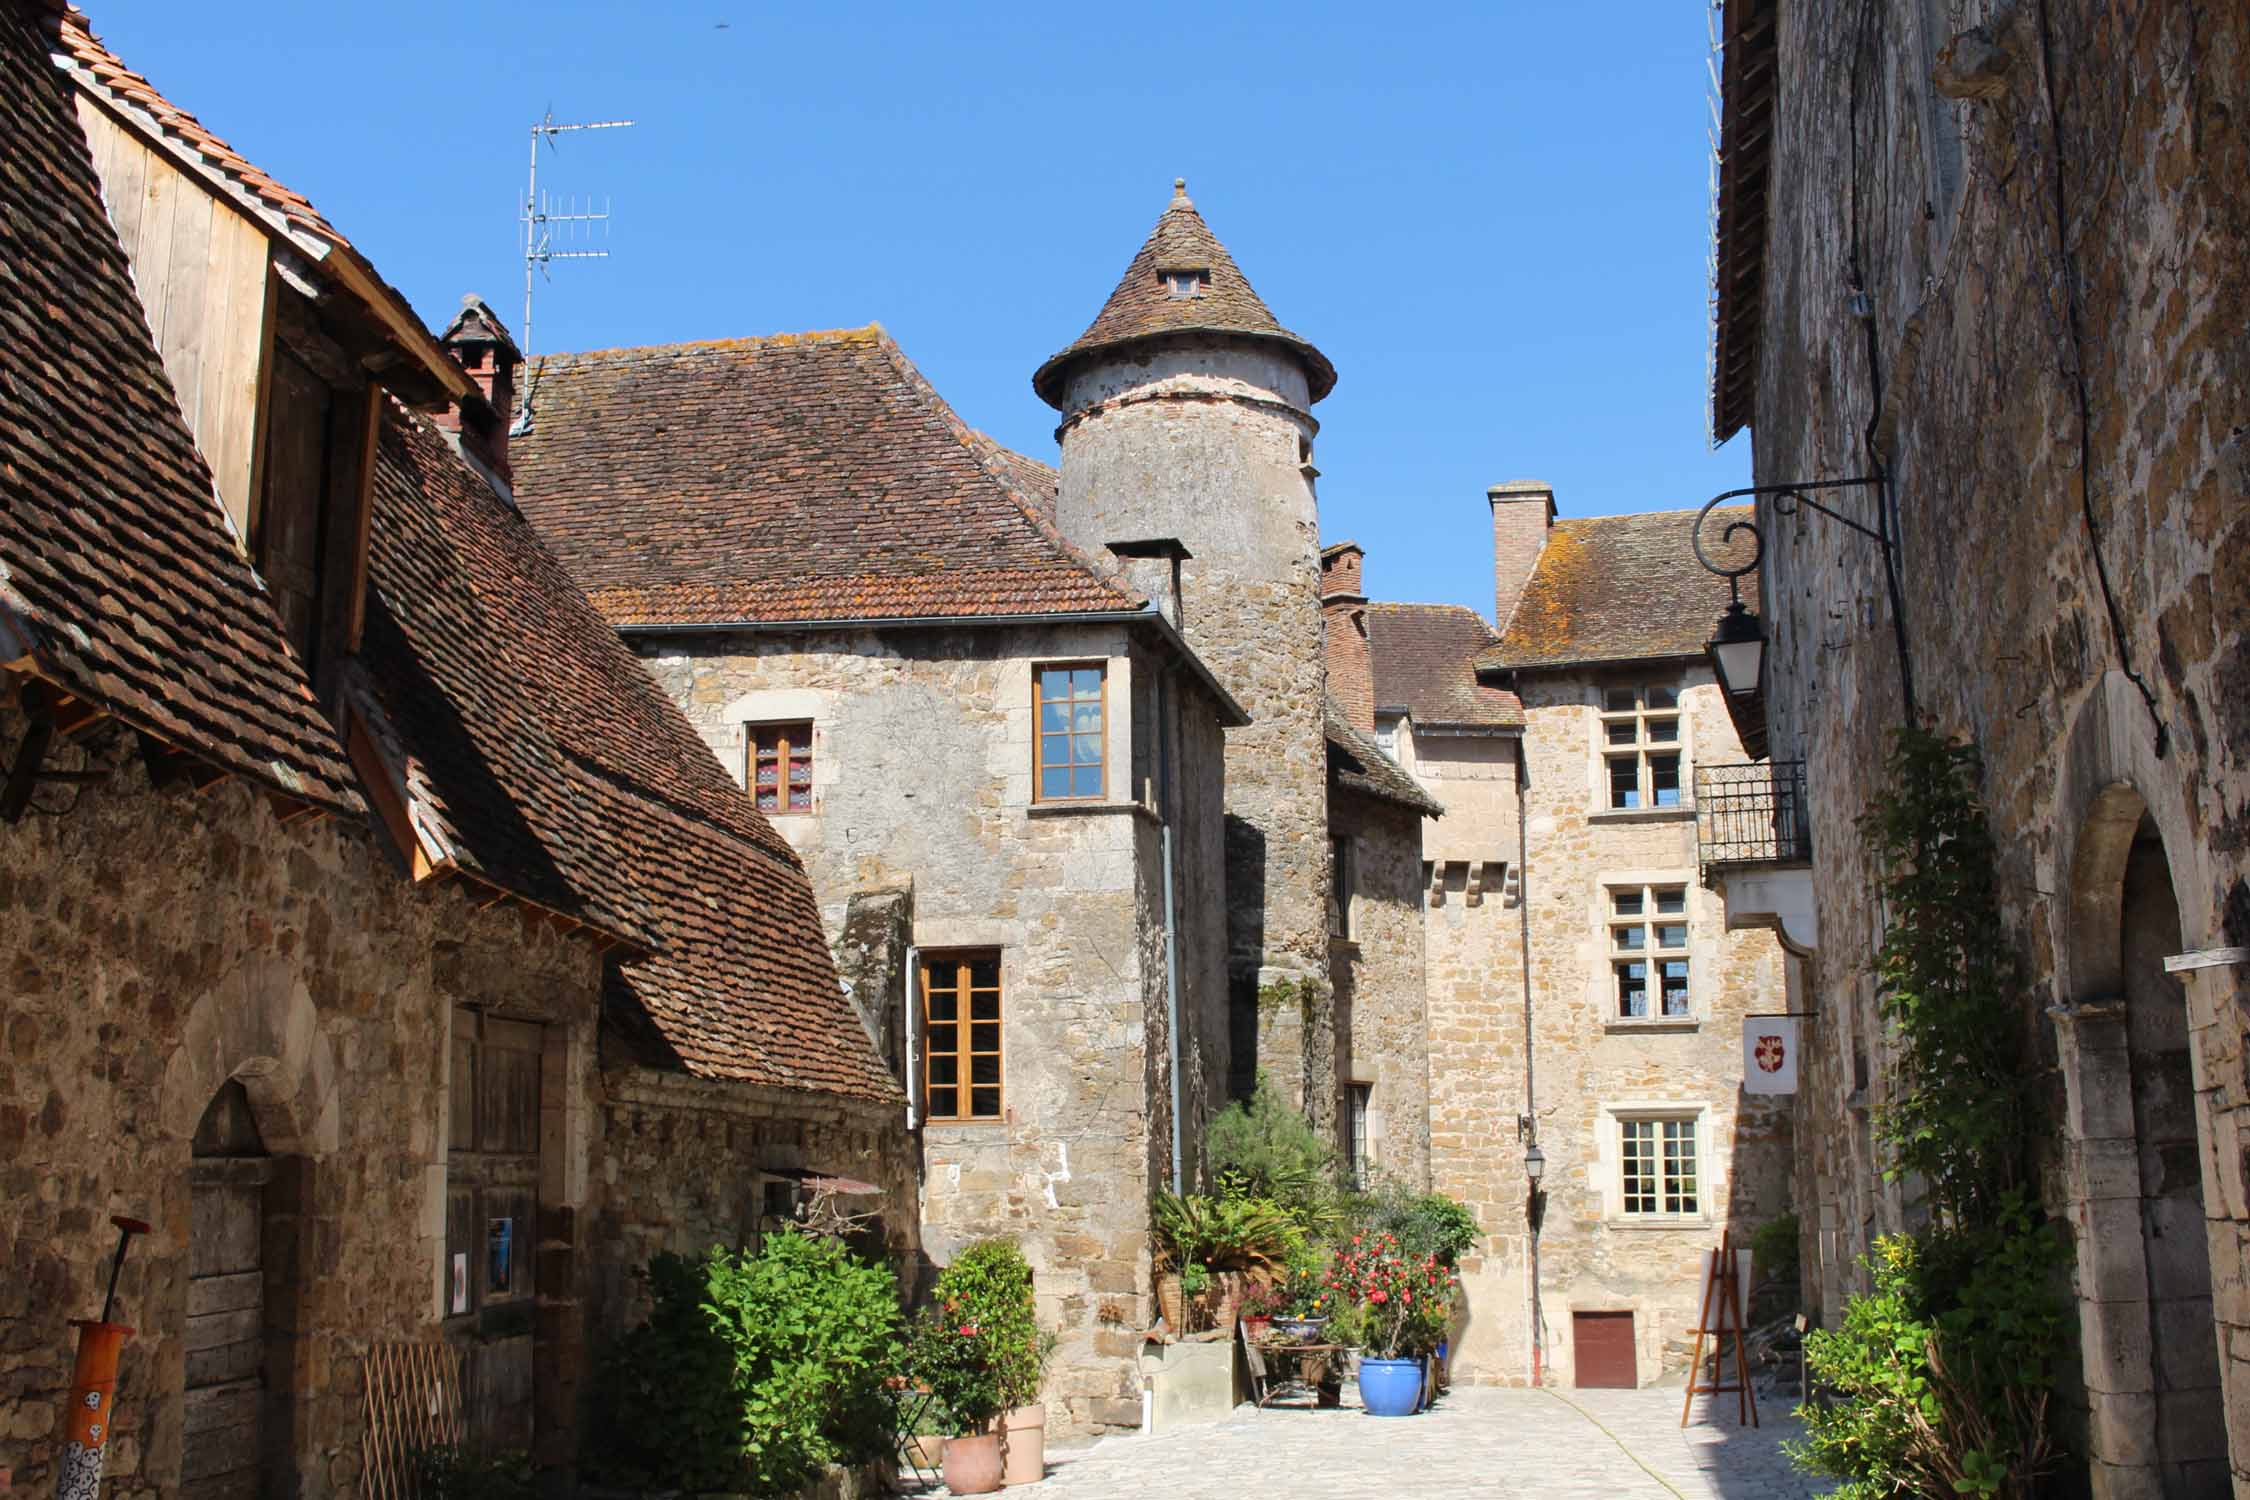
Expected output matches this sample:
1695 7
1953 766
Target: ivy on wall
1939 1377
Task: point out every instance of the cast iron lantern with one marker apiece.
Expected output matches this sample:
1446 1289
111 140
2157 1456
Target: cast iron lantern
1738 650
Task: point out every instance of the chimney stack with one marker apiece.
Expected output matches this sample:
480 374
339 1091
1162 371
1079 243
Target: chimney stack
1522 512
1343 614
479 342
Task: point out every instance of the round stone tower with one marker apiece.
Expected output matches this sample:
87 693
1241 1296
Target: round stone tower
1187 415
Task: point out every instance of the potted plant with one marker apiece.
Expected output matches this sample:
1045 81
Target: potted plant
952 1357
983 1318
1209 1248
1306 1302
1259 1305
1399 1306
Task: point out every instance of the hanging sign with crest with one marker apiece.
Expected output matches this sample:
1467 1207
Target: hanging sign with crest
1769 1054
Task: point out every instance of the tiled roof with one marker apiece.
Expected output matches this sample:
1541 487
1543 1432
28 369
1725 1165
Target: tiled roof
1620 588
117 566
111 73
798 477
108 76
1142 307
1738 216
1039 482
1357 763
1424 657
556 769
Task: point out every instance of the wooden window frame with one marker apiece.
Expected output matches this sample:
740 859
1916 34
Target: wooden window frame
786 743
1642 749
964 1052
1359 1114
1684 1190
1039 736
472 1148
1650 953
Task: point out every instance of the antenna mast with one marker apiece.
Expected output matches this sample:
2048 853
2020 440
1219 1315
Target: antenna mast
539 215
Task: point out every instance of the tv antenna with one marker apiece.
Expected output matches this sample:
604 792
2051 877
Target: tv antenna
546 218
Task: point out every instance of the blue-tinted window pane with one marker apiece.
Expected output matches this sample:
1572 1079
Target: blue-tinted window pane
1054 749
1672 900
1664 779
1624 782
1086 718
1671 935
1054 781
1086 682
1627 937
1054 716
1086 781
1086 749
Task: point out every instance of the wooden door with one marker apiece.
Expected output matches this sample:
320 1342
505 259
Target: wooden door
221 1447
1601 1348
491 1219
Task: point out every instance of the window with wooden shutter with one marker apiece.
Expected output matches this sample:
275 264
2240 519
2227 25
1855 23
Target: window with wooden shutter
961 1052
492 1161
780 766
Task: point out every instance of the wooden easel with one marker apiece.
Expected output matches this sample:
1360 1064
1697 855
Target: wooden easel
1720 1316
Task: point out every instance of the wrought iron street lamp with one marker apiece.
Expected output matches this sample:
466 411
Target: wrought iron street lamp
1738 647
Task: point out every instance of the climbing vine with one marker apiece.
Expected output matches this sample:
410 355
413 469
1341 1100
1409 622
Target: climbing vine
1939 1376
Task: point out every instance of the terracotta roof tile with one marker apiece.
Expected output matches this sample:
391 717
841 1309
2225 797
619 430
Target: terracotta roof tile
1424 658
1357 763
565 775
116 561
110 72
1619 588
1143 307
798 477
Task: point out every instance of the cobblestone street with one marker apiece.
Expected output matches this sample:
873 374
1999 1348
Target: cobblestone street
1542 1445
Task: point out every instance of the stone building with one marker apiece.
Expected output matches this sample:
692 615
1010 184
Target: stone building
326 950
1578 972
1994 258
989 748
1186 415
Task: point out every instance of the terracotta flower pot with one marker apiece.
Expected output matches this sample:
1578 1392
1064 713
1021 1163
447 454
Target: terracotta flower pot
1171 1301
972 1464
1023 1445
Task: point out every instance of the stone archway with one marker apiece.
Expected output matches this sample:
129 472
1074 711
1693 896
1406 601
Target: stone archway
251 1094
2151 1360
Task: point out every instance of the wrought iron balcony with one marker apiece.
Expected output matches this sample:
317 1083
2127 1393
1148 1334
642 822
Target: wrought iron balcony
1751 815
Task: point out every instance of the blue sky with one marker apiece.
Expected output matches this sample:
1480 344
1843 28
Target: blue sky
1492 218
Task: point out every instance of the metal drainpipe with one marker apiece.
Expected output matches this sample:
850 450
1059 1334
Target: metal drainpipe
913 1015
1530 1092
1171 915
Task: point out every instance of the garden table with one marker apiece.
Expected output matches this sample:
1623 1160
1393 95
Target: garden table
1263 1386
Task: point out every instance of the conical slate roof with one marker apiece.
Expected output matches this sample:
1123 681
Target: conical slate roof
1144 305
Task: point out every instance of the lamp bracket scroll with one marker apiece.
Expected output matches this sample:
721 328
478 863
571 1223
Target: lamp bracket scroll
1788 499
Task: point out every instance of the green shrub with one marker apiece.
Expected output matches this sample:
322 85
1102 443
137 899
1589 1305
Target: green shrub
1941 1375
1424 1224
751 1372
1773 1251
1262 1148
978 1346
1224 1234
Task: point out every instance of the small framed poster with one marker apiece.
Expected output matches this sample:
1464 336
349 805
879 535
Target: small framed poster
500 1256
460 1299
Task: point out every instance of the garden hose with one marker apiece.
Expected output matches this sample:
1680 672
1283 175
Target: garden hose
1613 1437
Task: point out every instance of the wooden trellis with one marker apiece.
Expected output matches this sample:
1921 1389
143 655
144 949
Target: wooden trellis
414 1402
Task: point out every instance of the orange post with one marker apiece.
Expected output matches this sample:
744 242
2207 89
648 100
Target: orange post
86 1420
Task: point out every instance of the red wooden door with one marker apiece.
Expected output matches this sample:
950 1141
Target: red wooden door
1601 1347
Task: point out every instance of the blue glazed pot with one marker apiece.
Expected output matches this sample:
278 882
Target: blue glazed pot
1390 1387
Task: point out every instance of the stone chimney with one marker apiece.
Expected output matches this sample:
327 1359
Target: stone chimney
1152 565
1343 614
1522 511
479 342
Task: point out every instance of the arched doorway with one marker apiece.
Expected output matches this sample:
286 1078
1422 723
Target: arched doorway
2158 1423
223 1432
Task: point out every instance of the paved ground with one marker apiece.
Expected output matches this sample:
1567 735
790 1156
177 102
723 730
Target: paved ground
1539 1445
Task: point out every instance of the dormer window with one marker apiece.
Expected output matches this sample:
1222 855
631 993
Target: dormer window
1180 285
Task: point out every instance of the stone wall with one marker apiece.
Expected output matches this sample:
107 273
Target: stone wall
685 1164
158 943
922 766
1590 1067
2054 378
1210 442
1381 999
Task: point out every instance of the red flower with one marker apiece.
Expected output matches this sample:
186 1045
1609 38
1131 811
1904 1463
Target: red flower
1378 1296
968 1330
